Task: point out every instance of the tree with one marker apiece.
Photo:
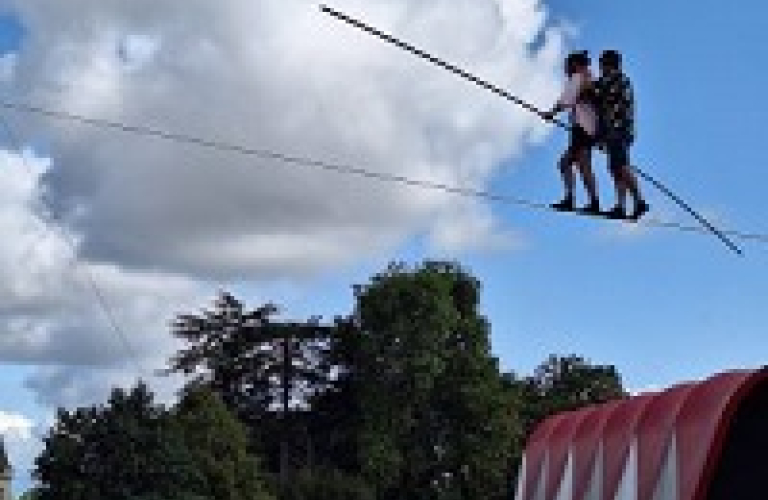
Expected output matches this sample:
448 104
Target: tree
232 351
127 448
217 444
180 496
257 366
336 412
31 494
401 399
566 383
132 448
436 418
327 484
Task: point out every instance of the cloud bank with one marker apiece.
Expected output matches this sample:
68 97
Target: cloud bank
151 221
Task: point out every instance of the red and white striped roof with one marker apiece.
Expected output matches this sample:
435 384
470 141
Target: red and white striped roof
659 446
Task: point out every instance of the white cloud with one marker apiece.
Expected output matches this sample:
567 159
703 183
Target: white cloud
470 226
153 220
20 438
278 75
15 426
49 314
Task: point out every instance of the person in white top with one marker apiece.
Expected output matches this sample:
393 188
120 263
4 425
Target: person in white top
583 132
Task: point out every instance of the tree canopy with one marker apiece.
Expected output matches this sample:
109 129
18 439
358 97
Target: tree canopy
400 398
437 421
134 448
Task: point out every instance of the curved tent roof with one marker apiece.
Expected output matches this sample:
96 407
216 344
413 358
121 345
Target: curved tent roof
694 441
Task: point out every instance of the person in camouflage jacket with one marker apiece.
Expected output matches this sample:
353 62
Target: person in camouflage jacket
614 99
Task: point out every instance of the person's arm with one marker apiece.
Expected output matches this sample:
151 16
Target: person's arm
629 98
568 99
629 103
550 115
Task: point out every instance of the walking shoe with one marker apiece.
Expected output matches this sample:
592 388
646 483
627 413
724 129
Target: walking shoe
641 207
565 204
593 208
616 212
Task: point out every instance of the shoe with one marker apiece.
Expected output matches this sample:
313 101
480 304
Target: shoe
592 208
616 212
641 208
566 204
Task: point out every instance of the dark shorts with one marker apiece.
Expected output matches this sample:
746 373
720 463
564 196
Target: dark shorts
618 153
580 140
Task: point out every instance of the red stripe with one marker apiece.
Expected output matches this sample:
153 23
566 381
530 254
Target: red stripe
619 432
559 446
535 452
585 446
655 435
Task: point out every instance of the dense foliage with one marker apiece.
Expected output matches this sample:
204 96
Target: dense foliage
133 448
402 398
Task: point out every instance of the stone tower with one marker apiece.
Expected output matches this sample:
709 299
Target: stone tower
5 474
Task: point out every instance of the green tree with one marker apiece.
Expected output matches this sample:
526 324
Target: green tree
217 444
436 418
327 484
231 350
132 448
31 494
336 416
564 383
255 365
180 496
127 448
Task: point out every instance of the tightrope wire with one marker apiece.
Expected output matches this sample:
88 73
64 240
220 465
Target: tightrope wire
267 154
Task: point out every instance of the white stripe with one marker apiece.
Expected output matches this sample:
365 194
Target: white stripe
628 485
666 487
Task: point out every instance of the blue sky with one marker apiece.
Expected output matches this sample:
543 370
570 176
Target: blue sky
662 306
665 306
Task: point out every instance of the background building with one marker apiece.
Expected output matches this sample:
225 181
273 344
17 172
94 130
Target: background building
5 474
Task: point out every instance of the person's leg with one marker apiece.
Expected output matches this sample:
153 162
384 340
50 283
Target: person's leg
588 177
583 154
641 207
617 167
629 180
566 171
569 181
620 187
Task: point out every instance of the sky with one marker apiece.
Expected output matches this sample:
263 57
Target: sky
160 227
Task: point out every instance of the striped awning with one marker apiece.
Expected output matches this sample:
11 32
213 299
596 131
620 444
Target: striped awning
657 446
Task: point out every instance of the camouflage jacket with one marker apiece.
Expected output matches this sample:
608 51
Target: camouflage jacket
616 106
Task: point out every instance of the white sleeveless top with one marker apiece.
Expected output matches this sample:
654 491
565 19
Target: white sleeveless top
582 113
